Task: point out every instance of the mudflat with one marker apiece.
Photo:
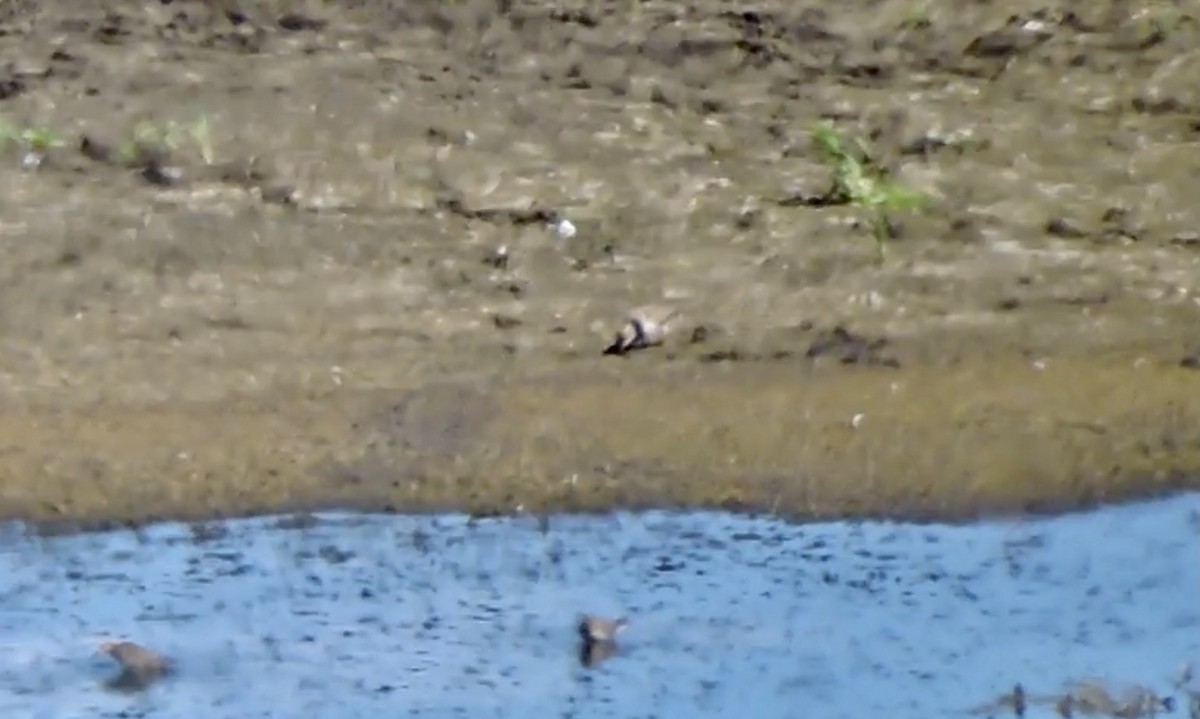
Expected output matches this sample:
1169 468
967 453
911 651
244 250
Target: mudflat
288 255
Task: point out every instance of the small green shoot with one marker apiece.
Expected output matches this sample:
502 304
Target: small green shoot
171 136
918 15
1158 19
857 182
40 139
35 142
32 139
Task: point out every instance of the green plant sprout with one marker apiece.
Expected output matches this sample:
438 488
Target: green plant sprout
1158 18
172 136
33 139
40 139
918 15
856 181
35 142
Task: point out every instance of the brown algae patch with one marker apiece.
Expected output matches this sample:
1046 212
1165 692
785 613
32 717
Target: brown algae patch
954 442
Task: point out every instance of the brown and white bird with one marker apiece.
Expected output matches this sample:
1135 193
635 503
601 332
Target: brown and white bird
600 630
644 327
137 662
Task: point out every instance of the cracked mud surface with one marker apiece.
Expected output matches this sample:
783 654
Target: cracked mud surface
345 289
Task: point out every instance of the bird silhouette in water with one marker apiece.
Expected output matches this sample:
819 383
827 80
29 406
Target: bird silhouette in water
139 666
1014 701
598 638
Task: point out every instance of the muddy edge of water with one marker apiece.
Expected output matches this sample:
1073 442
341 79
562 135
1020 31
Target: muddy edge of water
929 443
301 303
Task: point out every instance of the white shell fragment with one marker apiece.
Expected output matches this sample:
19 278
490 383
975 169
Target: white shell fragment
565 229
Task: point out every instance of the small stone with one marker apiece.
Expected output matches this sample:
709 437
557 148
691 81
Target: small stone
498 258
504 322
1067 229
1187 239
565 229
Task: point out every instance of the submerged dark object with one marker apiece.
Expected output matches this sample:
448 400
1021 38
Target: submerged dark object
1014 701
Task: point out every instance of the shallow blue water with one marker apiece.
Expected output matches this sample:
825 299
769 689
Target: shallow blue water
373 616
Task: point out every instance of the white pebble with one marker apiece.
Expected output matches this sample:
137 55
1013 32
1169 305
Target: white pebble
565 229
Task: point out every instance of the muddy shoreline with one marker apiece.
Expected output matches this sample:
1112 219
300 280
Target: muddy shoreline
805 442
260 260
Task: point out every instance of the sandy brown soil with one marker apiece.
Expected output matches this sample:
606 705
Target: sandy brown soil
344 288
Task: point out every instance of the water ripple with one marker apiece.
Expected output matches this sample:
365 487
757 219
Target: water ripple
347 616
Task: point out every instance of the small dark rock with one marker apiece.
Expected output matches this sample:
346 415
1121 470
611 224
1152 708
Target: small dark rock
516 289
966 230
1067 229
1083 300
659 96
746 219
1191 240
11 87
1002 43
293 22
850 348
1119 222
504 322
161 175
497 258
725 355
1157 106
95 150
277 195
69 258
574 17
1007 42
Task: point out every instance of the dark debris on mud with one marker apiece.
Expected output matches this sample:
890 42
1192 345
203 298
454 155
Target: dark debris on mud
794 47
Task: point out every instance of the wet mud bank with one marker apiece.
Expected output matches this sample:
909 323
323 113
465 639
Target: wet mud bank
810 443
253 259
